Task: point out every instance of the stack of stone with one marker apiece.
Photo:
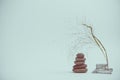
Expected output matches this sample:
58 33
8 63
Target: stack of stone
80 66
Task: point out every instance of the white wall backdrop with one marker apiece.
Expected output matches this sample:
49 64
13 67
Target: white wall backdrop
35 37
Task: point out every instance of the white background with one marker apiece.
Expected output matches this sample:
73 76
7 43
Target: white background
35 36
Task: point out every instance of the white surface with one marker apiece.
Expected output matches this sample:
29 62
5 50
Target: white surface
34 37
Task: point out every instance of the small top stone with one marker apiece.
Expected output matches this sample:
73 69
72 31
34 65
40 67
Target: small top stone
80 55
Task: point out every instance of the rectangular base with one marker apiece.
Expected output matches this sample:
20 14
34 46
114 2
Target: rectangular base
103 69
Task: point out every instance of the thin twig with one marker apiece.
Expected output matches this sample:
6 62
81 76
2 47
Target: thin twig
98 42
